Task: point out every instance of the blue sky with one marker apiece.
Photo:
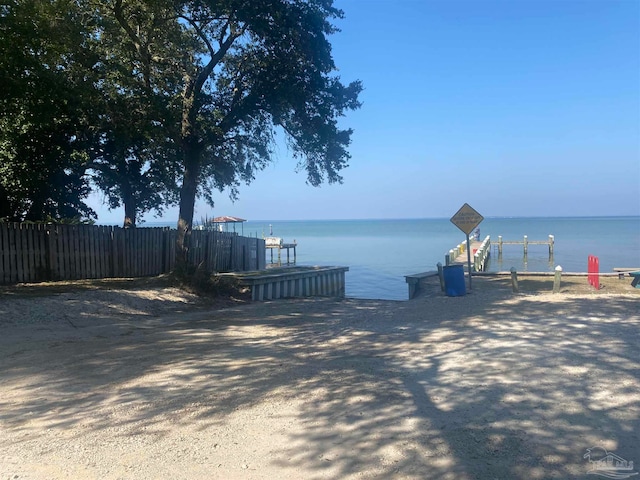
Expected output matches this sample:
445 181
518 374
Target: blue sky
519 108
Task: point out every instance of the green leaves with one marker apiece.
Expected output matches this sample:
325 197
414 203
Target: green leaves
133 94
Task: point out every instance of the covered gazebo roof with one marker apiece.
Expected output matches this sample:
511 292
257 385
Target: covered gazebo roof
226 220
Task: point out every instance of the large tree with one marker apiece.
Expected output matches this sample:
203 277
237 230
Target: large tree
45 125
243 68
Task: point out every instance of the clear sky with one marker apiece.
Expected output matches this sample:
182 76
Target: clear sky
519 108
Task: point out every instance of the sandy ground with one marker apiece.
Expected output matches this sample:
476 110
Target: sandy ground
151 384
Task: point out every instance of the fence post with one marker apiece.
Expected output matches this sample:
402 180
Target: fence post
441 276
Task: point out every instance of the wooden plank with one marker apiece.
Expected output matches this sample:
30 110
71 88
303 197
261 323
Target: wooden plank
115 251
165 251
36 252
23 233
58 253
91 251
141 253
27 251
138 253
65 237
41 262
128 253
23 250
31 240
17 252
122 264
13 257
210 246
160 250
92 238
76 252
97 258
81 253
104 245
149 251
129 247
129 242
52 259
153 252
67 242
111 249
4 253
69 247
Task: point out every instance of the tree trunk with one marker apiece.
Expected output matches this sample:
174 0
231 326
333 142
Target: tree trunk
129 208
187 203
36 212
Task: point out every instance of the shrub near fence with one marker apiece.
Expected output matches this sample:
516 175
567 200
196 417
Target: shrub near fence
41 252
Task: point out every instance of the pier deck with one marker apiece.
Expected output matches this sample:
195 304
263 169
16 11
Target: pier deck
462 258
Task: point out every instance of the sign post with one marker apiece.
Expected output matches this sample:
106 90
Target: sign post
466 219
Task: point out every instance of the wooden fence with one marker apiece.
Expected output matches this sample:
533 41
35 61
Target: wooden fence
42 252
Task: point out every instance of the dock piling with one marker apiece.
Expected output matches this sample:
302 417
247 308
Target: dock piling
514 280
441 275
556 279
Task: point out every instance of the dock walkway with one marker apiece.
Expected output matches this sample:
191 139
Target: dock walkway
462 258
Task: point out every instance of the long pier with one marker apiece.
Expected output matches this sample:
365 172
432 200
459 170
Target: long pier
480 252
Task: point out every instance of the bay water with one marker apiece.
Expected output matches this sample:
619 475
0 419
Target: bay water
379 253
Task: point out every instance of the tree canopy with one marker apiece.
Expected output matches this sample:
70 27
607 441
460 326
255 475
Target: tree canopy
179 99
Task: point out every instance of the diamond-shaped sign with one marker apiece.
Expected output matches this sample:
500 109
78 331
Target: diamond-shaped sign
466 219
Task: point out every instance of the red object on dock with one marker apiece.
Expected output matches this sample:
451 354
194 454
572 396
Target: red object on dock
593 268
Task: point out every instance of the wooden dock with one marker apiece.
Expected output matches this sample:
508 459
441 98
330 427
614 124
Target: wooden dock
276 243
480 252
525 242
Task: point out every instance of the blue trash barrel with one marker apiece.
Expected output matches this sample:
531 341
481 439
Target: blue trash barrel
454 285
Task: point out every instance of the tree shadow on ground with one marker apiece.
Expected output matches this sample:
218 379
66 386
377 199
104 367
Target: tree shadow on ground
489 385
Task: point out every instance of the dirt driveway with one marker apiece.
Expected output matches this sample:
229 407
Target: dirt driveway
117 385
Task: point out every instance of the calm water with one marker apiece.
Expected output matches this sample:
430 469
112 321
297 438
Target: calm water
379 253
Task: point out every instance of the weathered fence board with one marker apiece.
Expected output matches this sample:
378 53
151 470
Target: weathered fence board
40 252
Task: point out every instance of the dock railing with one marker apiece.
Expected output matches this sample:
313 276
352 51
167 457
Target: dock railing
455 252
480 254
481 257
526 242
